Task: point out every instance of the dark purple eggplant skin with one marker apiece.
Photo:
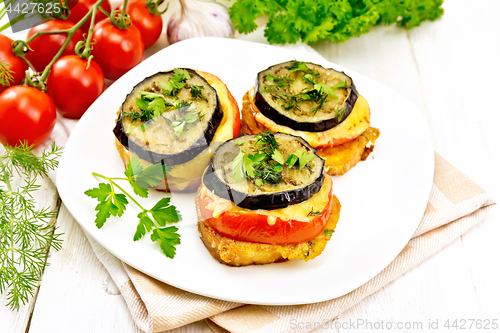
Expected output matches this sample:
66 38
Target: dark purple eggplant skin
271 113
172 159
261 201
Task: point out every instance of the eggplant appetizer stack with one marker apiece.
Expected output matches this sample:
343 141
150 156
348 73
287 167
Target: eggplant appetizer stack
265 198
177 118
318 104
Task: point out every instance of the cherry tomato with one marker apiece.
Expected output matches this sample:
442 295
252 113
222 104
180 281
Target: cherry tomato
13 63
73 87
79 8
45 47
148 24
255 227
27 114
117 50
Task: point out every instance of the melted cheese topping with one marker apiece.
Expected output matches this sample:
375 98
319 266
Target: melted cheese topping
355 124
297 212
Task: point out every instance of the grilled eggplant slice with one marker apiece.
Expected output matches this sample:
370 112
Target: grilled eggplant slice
169 117
305 96
290 185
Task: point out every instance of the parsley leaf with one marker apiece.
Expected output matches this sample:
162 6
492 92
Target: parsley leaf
110 203
145 224
163 212
329 232
168 238
237 168
301 156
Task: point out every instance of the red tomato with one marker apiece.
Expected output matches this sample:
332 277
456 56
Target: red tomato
45 47
12 62
117 50
253 227
27 114
148 24
73 87
79 8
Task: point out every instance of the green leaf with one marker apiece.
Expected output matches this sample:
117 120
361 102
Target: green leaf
134 168
168 238
152 175
248 166
342 84
306 158
237 167
142 104
104 210
181 74
167 88
101 193
300 156
259 182
299 66
164 213
157 106
278 157
150 95
321 87
145 224
329 232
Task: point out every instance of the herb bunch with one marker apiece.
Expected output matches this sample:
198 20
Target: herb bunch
326 20
154 220
266 165
26 233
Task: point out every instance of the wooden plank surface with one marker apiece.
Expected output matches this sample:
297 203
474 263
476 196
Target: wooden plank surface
449 69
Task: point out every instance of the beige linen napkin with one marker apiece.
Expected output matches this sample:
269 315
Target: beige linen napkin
456 204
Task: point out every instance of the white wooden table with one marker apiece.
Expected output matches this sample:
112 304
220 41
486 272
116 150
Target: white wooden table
450 69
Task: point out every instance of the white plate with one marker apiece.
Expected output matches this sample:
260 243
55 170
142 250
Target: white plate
383 199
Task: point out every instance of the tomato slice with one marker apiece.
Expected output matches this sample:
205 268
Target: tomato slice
265 226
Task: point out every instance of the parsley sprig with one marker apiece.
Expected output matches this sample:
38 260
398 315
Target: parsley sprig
26 233
154 220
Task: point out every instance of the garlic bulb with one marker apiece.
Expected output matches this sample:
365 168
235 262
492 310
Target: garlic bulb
199 19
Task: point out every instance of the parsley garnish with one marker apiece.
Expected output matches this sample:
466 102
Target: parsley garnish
329 232
187 117
176 83
112 203
196 92
301 156
313 212
267 162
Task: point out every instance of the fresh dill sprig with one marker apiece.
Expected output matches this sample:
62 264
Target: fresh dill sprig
26 233
6 74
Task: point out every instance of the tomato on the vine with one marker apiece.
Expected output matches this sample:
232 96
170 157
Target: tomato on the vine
148 24
27 114
82 7
15 65
117 50
73 87
45 47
